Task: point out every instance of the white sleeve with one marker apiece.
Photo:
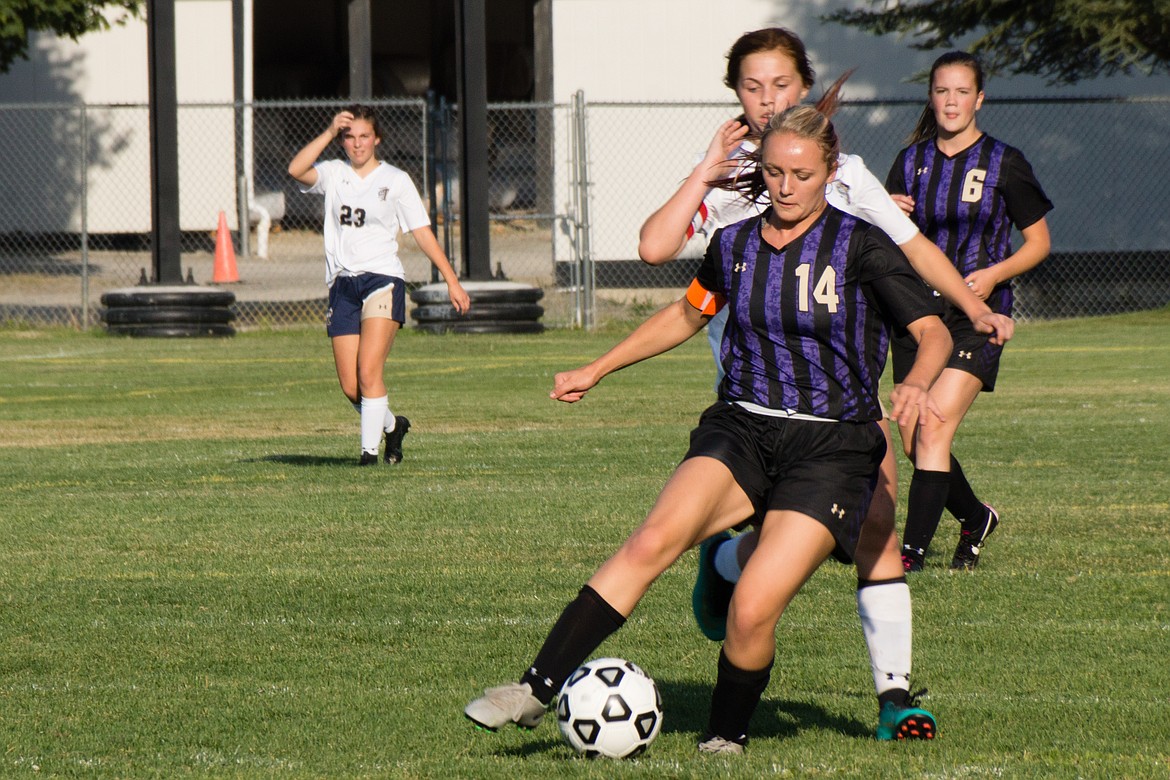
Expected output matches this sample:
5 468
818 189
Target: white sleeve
324 173
408 205
858 192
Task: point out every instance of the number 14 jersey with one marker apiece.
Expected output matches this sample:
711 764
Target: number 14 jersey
809 322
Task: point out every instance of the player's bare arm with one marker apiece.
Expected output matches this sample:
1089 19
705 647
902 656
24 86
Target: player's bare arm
664 233
910 400
664 331
301 168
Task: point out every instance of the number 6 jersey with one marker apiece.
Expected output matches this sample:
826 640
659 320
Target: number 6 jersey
967 203
363 217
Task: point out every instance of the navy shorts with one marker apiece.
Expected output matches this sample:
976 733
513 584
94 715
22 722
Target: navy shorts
972 352
354 298
826 470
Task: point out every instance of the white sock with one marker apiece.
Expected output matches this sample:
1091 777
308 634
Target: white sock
391 422
887 622
727 559
373 416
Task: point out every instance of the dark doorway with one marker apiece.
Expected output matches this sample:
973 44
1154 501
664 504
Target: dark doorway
301 49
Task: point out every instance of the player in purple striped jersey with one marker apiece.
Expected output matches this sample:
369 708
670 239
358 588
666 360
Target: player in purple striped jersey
813 294
769 70
965 190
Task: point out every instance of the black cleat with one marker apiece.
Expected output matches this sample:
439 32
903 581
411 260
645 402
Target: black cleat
394 439
971 541
912 558
368 459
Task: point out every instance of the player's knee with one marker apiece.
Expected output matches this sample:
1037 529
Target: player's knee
652 546
751 618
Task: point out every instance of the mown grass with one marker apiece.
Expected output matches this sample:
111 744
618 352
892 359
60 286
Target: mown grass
197 580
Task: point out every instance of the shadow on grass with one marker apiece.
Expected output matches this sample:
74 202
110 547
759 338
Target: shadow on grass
686 708
304 460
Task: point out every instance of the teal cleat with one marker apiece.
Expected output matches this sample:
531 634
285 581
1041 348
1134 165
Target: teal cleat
712 594
906 722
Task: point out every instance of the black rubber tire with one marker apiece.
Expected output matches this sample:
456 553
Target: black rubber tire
504 295
173 330
162 315
168 297
485 326
478 311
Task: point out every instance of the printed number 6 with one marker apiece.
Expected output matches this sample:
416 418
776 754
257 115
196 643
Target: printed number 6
973 185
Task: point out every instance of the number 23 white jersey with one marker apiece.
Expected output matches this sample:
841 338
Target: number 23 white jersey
363 217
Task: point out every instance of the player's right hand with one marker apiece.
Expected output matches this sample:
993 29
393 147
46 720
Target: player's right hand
727 139
571 386
341 122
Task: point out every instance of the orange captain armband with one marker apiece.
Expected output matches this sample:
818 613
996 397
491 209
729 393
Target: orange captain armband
707 302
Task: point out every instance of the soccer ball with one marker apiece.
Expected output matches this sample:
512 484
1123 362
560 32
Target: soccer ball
609 707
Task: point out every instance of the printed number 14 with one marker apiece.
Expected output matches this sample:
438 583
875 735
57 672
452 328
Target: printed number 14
825 292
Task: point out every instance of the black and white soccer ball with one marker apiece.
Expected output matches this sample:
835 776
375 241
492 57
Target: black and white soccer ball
609 707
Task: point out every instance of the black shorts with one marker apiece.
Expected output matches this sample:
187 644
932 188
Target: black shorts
354 298
972 351
826 470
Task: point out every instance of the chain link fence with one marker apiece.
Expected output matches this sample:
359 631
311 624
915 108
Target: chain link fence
569 186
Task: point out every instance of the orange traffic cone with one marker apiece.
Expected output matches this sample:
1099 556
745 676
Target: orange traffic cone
225 254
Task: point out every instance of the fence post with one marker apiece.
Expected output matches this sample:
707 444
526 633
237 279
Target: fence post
584 227
444 157
84 156
574 217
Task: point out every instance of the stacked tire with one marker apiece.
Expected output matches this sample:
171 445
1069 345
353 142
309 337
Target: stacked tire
496 307
169 312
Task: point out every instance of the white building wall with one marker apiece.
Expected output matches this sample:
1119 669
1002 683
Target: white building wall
674 50
107 69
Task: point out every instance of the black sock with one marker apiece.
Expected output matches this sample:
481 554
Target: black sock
924 507
899 696
961 499
736 695
584 624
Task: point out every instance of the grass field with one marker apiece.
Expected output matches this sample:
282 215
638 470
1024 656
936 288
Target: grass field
197 580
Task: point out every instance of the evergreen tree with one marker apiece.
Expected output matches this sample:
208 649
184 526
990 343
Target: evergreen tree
68 18
1062 41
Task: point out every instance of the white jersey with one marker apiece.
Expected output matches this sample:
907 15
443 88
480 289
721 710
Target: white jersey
363 217
855 191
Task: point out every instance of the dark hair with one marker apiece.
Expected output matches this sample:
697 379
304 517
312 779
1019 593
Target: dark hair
927 126
804 122
789 43
360 111
769 39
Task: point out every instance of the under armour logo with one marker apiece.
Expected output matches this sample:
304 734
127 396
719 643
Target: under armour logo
922 171
739 267
964 355
838 511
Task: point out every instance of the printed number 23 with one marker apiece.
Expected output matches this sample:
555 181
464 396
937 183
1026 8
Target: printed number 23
355 217
825 292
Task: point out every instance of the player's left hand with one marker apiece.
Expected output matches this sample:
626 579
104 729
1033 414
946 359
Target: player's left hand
459 297
905 202
981 282
910 404
1000 327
